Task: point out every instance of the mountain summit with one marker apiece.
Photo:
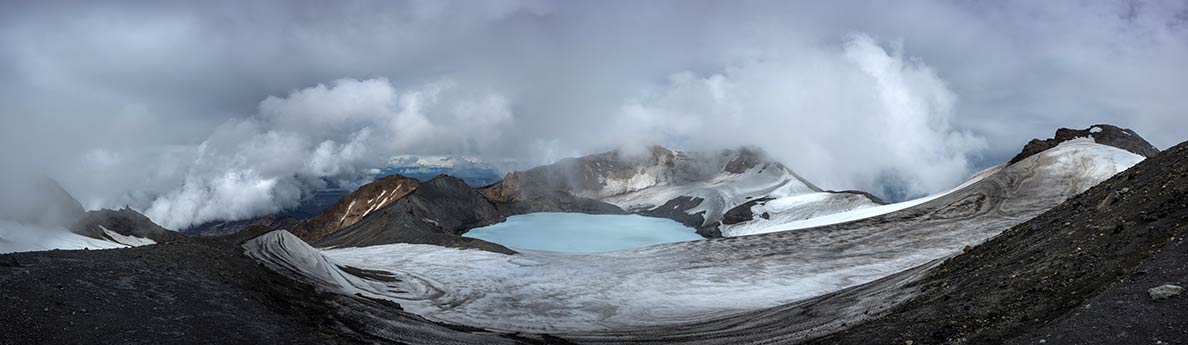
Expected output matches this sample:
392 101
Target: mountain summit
1111 135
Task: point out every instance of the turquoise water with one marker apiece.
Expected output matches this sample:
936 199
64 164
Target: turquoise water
583 233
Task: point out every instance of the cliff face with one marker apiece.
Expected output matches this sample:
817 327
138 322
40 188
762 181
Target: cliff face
352 208
1111 135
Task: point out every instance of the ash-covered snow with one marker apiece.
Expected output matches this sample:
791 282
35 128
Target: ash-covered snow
647 190
761 226
797 207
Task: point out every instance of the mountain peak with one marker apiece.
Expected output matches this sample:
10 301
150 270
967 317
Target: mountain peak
353 207
1104 134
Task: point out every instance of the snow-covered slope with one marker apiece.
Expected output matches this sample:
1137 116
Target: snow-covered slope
1085 163
50 218
778 212
18 237
780 222
700 280
719 192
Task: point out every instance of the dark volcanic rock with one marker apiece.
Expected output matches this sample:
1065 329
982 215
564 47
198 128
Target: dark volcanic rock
677 209
511 199
873 198
125 222
1077 274
742 213
746 159
1122 138
353 207
557 201
438 212
222 228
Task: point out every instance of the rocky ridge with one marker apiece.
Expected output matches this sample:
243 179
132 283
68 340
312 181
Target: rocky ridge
127 222
355 206
1111 135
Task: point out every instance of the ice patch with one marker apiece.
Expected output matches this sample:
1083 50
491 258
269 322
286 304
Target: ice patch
859 213
128 240
348 211
17 237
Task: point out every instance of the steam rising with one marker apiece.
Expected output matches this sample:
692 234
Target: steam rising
859 117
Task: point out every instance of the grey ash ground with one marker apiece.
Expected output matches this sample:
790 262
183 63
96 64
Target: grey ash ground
197 290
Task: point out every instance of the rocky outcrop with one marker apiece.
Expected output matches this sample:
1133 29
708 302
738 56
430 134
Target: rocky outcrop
681 209
744 160
222 228
743 213
511 200
438 212
590 176
873 198
1165 291
1122 138
355 206
126 222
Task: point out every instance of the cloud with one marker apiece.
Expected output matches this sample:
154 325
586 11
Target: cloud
158 105
861 116
270 161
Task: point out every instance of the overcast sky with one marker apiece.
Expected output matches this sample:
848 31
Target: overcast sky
195 111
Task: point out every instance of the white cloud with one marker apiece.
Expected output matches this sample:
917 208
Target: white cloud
115 99
862 116
269 162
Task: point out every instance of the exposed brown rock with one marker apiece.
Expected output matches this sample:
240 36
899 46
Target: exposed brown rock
506 190
353 207
438 212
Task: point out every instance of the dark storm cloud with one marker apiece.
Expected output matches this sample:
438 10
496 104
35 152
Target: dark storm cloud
166 105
